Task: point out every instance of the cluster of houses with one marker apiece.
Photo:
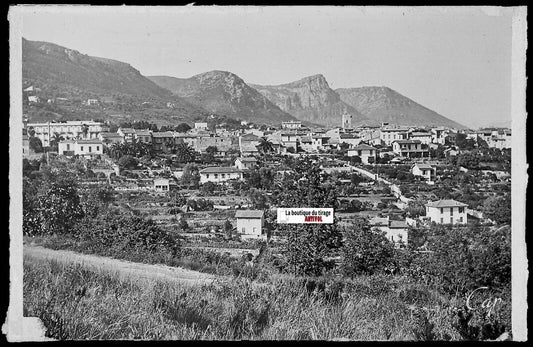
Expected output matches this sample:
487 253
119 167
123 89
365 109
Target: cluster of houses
88 138
396 141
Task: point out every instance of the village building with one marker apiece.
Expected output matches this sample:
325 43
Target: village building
248 144
245 163
319 142
92 102
86 148
161 184
293 124
346 121
423 136
218 174
33 98
395 230
144 136
250 224
388 134
109 139
290 140
410 148
222 144
425 171
367 153
438 135
162 141
351 139
25 145
202 125
447 212
127 133
68 130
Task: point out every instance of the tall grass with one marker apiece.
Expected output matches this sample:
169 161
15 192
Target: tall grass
80 303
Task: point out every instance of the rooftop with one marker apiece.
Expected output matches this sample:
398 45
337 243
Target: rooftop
362 147
397 224
408 141
445 203
162 134
92 141
423 166
219 169
247 159
249 214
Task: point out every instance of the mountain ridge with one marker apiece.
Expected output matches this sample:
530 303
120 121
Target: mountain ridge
383 104
310 99
223 92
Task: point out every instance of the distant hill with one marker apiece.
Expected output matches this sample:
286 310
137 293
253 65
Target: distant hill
63 72
383 104
224 93
311 99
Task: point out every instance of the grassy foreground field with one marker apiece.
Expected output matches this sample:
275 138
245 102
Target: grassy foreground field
75 302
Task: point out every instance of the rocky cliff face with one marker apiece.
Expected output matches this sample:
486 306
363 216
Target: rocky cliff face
310 99
224 93
383 104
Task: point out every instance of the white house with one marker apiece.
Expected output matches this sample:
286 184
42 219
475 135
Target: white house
86 148
33 98
292 124
410 148
161 184
447 212
365 152
245 163
200 125
423 136
250 224
217 174
396 231
389 134
426 171
89 147
127 133
68 130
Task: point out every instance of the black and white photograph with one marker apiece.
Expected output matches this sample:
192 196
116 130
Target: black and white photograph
225 173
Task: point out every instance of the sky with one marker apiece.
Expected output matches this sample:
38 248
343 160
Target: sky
455 61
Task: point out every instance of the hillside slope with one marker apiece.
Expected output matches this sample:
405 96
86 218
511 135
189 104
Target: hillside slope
383 104
62 72
224 93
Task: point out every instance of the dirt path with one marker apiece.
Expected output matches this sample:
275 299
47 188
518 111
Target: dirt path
122 268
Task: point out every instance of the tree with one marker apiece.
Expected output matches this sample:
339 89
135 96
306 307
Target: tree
54 141
365 251
184 153
183 127
498 208
257 198
415 208
209 187
191 176
228 230
127 162
35 144
265 146
60 207
465 258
